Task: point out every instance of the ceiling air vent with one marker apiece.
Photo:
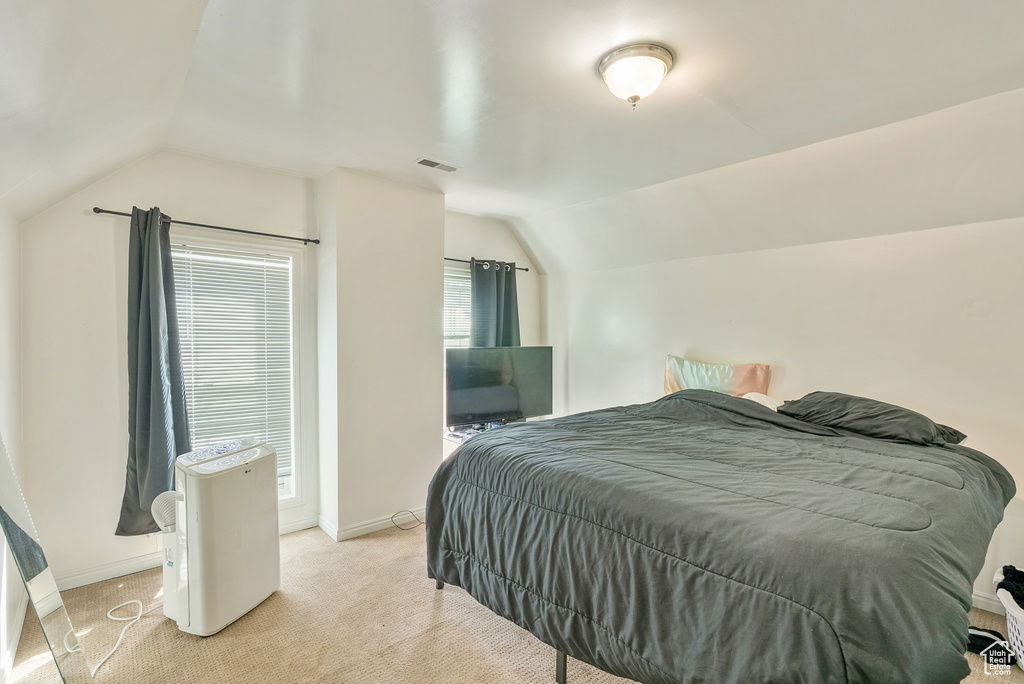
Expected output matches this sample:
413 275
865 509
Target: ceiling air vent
440 166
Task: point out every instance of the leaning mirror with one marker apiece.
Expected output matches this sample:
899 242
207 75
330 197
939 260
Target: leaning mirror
23 541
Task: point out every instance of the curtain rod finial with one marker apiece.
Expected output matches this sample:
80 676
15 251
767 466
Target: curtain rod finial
97 210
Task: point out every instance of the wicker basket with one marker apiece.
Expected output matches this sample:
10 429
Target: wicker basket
1014 620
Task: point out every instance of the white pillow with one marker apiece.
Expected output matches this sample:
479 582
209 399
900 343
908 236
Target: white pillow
734 379
763 400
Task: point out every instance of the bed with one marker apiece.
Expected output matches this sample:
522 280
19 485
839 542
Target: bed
706 538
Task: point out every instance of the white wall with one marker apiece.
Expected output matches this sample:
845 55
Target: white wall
74 377
10 334
931 320
327 349
387 241
468 235
13 599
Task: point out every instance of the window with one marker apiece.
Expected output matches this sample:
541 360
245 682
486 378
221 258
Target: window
235 316
456 306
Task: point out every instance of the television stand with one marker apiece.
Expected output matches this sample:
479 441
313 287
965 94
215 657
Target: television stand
461 433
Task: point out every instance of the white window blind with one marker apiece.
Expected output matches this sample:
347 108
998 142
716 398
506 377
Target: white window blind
456 306
235 315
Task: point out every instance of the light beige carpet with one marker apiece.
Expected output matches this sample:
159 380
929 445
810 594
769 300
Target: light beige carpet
359 611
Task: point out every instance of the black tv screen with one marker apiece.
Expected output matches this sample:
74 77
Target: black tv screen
497 384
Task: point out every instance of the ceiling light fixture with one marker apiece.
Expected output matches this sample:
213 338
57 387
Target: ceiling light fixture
633 72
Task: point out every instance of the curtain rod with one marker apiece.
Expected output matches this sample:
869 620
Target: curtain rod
304 241
466 261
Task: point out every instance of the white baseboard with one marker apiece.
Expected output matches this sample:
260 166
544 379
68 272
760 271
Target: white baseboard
14 638
153 560
329 529
989 602
139 563
299 525
109 570
384 522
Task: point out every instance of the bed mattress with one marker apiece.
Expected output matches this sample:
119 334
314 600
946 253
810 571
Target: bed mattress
703 538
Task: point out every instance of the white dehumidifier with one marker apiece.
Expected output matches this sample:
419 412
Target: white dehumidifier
222 554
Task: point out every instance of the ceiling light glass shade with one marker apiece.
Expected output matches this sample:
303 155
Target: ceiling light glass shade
633 72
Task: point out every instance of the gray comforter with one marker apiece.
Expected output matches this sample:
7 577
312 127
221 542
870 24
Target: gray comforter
705 538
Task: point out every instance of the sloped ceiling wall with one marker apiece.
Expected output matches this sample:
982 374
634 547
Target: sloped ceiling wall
956 166
85 87
507 91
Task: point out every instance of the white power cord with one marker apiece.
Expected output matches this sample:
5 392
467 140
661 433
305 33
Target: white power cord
130 620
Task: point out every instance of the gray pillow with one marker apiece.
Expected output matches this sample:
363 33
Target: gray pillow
950 435
870 418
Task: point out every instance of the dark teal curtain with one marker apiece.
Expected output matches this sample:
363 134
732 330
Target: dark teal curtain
494 314
157 419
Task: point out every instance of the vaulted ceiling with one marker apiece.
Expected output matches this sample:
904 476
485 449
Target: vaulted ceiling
506 91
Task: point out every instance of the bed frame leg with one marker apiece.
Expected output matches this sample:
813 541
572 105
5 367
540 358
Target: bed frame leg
560 667
440 585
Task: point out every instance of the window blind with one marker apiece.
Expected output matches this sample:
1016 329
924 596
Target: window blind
456 306
235 316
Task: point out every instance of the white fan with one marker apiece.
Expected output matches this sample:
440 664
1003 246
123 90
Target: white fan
165 513
164 510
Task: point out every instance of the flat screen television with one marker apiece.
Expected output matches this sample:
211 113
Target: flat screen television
496 384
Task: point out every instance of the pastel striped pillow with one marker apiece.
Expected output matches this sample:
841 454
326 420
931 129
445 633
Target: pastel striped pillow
734 379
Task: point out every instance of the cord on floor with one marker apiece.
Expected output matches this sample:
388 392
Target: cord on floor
130 620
